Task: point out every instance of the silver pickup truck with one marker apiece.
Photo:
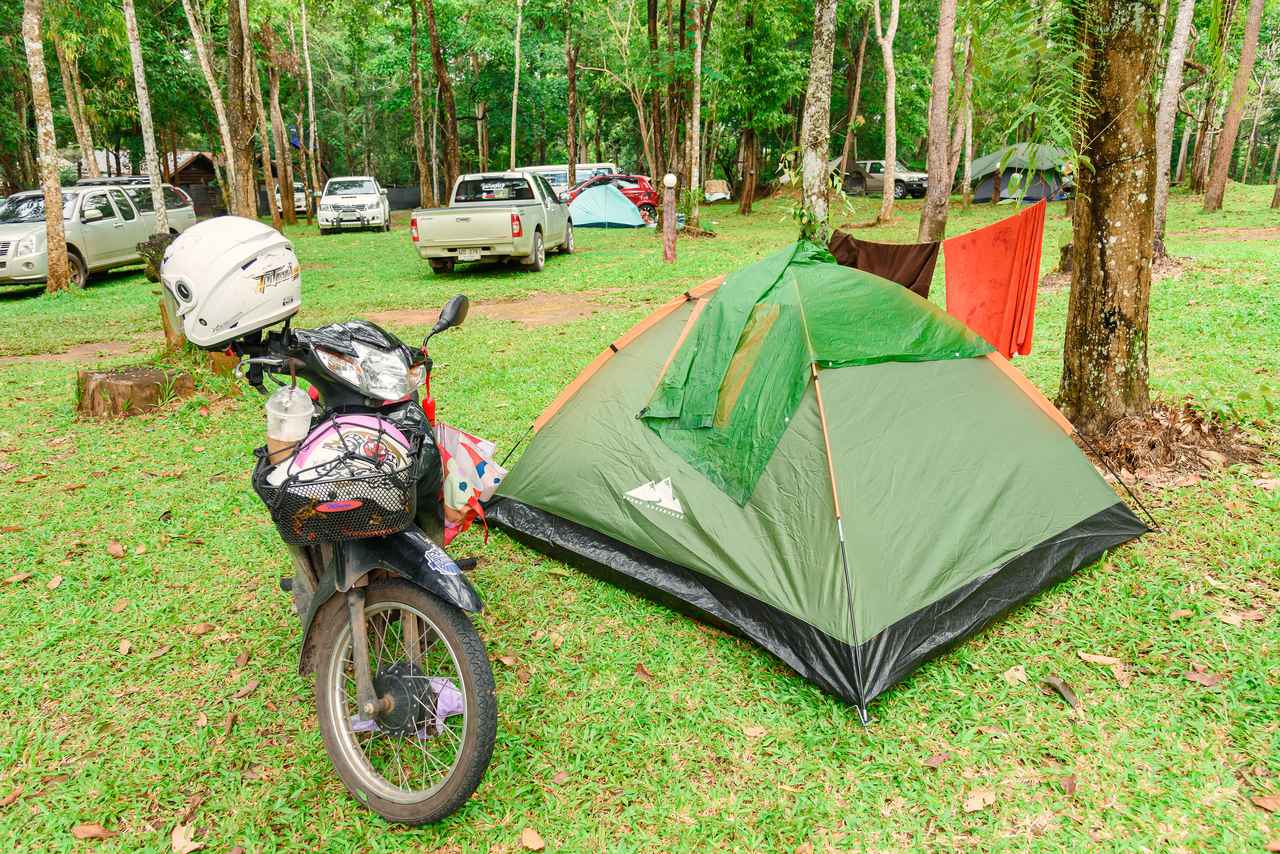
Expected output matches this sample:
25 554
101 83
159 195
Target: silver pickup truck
104 225
494 216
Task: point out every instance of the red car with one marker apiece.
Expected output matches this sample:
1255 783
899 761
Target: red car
635 187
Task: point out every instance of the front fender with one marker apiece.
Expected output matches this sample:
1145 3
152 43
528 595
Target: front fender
410 554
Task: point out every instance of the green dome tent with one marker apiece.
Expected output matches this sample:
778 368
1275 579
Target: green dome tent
604 206
1026 171
821 460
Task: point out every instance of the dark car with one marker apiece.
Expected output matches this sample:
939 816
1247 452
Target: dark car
635 187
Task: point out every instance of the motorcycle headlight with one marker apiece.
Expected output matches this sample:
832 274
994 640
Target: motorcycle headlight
25 246
381 374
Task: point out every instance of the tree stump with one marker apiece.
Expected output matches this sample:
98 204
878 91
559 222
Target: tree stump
174 339
128 391
1064 260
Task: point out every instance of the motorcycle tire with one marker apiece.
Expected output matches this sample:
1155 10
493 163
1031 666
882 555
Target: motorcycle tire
334 705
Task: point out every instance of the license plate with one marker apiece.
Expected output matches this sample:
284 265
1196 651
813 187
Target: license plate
350 217
468 254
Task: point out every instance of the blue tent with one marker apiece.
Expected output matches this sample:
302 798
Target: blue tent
604 206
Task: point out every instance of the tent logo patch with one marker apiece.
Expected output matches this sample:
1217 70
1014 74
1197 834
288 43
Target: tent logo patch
657 496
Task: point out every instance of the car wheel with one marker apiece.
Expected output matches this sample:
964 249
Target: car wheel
649 212
538 258
899 190
441 268
567 246
78 270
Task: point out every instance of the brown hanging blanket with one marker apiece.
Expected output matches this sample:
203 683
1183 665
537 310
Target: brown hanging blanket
909 264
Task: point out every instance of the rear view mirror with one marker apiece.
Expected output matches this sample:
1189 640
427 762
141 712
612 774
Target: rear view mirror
453 313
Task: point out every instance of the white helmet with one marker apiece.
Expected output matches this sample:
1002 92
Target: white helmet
230 277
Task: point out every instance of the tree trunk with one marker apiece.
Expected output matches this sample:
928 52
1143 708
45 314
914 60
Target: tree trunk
750 149
46 145
1104 373
284 156
30 172
440 193
426 193
1275 161
851 123
815 132
966 190
957 133
215 96
264 138
313 149
240 113
933 218
1182 151
515 87
884 37
144 117
451 156
69 67
1167 114
693 222
571 72
1253 134
1235 110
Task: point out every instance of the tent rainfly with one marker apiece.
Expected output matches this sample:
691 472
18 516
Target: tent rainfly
604 206
1026 171
820 460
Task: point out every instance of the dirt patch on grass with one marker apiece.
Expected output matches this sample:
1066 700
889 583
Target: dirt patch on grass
86 353
1272 233
537 309
1167 267
1172 445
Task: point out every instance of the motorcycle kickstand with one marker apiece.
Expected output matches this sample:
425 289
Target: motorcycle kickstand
371 705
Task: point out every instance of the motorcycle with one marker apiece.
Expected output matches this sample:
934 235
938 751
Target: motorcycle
404 690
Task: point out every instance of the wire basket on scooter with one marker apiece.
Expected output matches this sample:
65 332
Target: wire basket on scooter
354 476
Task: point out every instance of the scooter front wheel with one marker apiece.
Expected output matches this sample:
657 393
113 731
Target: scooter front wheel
421 756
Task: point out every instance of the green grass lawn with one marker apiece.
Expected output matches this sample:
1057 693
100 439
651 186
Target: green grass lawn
112 710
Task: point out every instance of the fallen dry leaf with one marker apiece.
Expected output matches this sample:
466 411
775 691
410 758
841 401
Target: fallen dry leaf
204 411
246 690
557 640
189 811
1270 803
1180 614
200 629
754 731
531 840
159 652
11 797
1123 674
92 831
935 760
17 578
1064 690
55 582
125 647
508 660
139 549
202 720
1269 484
73 487
522 675
1069 785
182 839
1238 618
230 723
120 605
10 529
1015 675
1200 677
643 672
1273 845
560 778
1093 658
979 799
242 659
115 549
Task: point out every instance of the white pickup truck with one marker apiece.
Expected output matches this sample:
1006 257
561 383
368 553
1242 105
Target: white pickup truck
494 216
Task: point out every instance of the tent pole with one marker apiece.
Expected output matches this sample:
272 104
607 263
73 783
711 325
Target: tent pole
844 553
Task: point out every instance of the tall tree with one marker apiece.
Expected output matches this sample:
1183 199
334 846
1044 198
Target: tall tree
241 115
933 219
815 126
200 40
69 66
1235 110
695 123
884 37
46 145
749 145
848 151
313 144
515 87
1104 374
280 60
571 79
144 118
452 157
426 193
1167 114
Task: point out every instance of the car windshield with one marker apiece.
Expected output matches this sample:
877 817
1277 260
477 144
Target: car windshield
31 208
350 187
493 190
901 168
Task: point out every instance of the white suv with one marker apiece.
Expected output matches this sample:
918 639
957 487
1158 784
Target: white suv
353 202
104 225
